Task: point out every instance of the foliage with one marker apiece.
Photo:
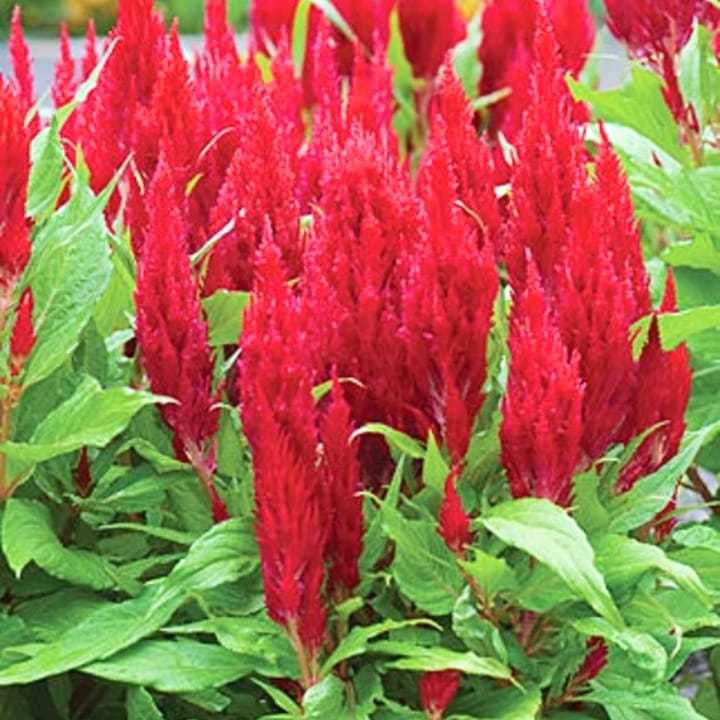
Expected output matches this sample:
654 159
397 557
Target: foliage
330 391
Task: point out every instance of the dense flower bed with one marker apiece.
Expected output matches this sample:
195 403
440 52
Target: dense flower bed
342 379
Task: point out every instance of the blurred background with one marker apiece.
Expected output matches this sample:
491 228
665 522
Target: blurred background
43 16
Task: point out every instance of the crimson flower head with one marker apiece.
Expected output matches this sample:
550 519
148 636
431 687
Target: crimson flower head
429 29
542 409
651 27
661 397
260 187
171 331
14 174
22 65
278 413
507 52
437 691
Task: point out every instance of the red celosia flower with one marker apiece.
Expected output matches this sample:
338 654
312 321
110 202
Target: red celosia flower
369 104
14 174
507 54
549 168
170 121
22 65
661 397
342 479
90 56
171 331
437 690
123 94
651 27
657 30
366 222
64 85
447 309
260 185
542 409
429 29
278 414
454 521
469 176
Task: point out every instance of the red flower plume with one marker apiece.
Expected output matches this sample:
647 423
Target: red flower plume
278 414
429 29
22 66
542 409
171 331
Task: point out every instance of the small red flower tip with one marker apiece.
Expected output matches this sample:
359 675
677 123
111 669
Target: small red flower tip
437 691
83 479
64 84
429 28
219 509
595 661
454 521
90 56
22 339
22 66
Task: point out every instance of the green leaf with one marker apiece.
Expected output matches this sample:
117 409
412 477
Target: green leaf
224 310
651 494
424 568
700 254
218 557
638 558
435 659
47 163
332 14
646 654
628 705
91 416
508 704
435 469
397 440
179 666
676 328
546 532
69 270
141 706
698 536
300 35
324 699
357 641
638 105
28 536
491 574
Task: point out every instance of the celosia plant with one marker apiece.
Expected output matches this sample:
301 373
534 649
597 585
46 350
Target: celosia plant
350 379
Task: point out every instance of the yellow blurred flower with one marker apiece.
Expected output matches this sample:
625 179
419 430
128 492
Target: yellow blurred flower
469 7
78 12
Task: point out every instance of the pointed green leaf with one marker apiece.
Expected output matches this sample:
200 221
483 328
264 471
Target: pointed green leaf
546 532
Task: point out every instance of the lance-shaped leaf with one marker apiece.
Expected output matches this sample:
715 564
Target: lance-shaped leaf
545 531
